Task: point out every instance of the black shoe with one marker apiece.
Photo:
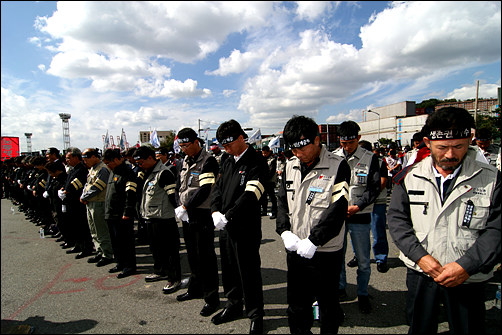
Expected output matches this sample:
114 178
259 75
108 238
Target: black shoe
126 273
171 287
226 315
67 245
104 261
382 267
352 263
209 309
256 326
94 259
116 268
273 216
83 254
364 304
342 295
73 250
187 296
155 277
60 239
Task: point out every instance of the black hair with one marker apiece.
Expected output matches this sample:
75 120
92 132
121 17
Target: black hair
366 145
55 166
483 133
143 152
89 152
448 118
111 154
188 133
299 126
418 137
230 128
348 128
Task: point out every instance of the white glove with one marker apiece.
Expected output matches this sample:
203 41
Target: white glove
219 220
61 194
29 188
45 194
306 248
181 213
290 240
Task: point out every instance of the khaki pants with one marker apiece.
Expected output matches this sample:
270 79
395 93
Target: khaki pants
99 228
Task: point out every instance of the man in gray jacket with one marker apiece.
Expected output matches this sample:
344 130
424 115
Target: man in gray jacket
444 216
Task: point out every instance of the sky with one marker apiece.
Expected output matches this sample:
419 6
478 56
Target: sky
168 65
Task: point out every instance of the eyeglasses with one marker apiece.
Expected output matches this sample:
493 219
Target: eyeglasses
185 145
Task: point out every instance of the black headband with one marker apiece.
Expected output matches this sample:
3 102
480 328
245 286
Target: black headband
186 139
301 143
348 138
228 140
449 134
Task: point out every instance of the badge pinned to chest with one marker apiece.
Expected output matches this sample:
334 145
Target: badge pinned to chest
243 177
312 192
361 178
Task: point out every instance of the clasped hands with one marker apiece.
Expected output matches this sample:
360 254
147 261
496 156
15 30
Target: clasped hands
304 248
449 275
219 220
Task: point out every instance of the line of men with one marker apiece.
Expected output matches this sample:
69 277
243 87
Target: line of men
444 217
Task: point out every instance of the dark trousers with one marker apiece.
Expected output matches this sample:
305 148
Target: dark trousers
164 239
198 234
123 244
241 272
269 194
464 304
310 280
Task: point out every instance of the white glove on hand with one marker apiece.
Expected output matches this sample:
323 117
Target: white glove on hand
219 220
181 213
45 195
61 194
306 248
290 240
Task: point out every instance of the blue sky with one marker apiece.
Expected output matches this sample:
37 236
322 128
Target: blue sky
167 65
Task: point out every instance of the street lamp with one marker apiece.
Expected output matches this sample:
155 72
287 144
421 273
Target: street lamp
370 111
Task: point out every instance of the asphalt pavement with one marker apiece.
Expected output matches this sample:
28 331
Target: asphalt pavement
46 291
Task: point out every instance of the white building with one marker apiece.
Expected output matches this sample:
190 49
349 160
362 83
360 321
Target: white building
396 122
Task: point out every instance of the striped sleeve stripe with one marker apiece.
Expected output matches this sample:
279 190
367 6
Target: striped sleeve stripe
42 183
131 186
339 190
77 184
100 184
170 189
206 178
256 187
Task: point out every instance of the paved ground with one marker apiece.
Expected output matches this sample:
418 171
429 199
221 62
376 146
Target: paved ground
48 291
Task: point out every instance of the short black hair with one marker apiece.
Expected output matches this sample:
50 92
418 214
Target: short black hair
188 134
483 134
348 128
55 166
366 145
265 148
448 118
89 152
143 152
230 128
299 126
111 154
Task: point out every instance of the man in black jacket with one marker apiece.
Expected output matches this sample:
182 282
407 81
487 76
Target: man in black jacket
235 208
120 209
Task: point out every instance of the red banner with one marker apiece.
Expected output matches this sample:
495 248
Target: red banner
10 147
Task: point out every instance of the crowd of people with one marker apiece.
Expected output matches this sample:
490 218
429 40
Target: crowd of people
444 216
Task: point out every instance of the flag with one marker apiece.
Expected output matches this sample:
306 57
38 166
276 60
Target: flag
176 145
274 142
154 139
122 143
106 141
256 137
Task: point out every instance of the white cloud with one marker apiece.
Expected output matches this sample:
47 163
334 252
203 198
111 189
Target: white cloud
469 91
311 10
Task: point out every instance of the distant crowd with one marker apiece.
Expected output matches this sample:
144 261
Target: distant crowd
100 204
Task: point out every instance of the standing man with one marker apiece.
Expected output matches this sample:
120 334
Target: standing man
379 216
444 216
197 178
313 200
364 188
76 211
270 180
93 196
157 209
120 209
485 145
235 208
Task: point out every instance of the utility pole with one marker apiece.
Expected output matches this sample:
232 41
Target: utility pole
476 106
